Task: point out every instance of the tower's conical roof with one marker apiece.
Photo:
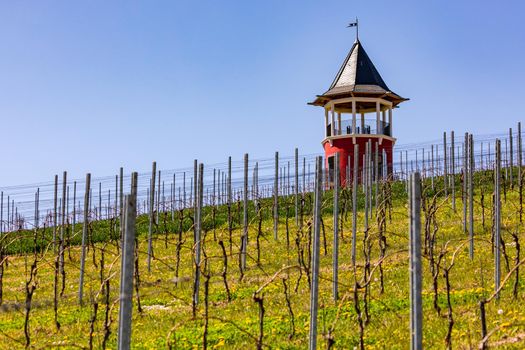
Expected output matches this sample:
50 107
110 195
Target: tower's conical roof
358 69
357 77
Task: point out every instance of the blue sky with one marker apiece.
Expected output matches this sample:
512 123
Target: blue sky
95 85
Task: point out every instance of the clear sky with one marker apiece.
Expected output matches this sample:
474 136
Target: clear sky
95 85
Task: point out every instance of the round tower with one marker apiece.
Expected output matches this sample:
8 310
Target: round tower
358 111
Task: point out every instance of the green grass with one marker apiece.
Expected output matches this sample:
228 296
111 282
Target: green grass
235 325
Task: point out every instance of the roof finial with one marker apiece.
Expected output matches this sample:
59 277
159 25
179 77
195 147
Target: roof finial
356 25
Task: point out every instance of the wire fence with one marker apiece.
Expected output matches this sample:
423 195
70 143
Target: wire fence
29 205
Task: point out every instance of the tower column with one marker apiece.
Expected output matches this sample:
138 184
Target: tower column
339 132
378 113
390 121
362 123
383 121
332 125
326 122
353 117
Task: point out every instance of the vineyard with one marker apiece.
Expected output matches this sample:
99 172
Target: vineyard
426 251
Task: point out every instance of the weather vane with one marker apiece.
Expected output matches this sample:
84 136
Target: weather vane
356 25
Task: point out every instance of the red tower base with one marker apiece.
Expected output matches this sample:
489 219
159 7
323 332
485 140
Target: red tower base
345 147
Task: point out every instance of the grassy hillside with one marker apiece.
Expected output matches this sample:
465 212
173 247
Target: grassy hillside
277 274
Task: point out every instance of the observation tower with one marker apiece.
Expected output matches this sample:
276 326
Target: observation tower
358 109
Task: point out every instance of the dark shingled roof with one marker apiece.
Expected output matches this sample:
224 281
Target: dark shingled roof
358 69
358 77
